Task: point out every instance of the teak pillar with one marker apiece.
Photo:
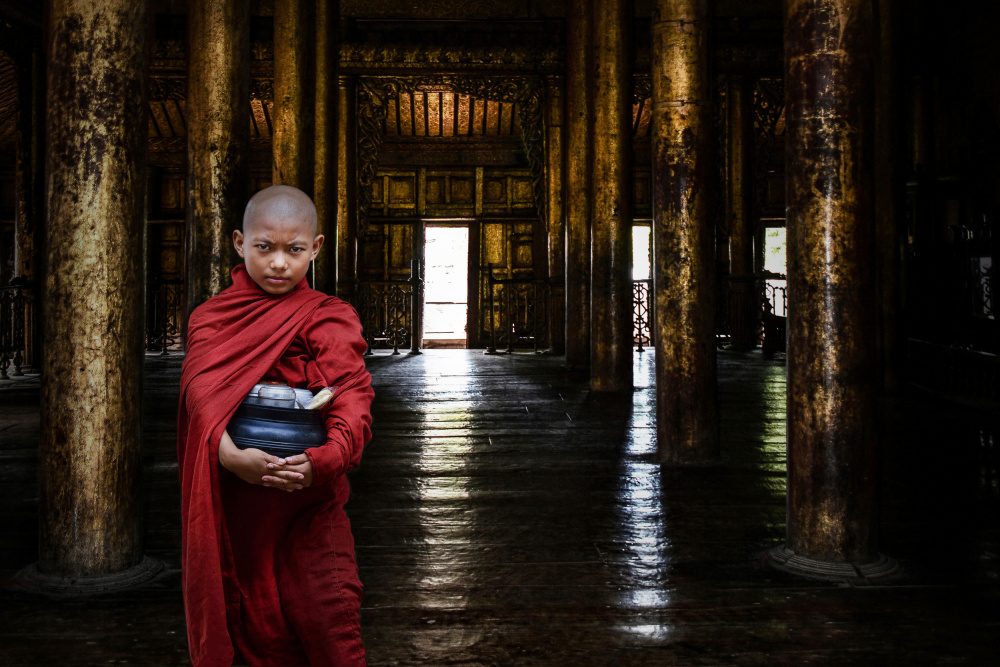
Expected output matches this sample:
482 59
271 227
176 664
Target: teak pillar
832 417
294 99
554 214
683 235
325 168
89 454
29 188
218 141
611 227
347 189
743 317
577 199
27 164
889 200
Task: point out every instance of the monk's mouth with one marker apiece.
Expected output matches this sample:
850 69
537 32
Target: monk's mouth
276 281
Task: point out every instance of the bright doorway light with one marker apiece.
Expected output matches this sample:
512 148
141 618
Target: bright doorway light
640 252
774 263
446 286
774 250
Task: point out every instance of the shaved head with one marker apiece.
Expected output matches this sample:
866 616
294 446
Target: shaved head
280 202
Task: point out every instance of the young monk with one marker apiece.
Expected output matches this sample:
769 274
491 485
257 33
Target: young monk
268 567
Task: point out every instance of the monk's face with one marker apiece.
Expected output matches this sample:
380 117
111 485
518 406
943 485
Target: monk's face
277 250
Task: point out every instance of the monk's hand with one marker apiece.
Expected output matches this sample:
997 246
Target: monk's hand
299 465
253 466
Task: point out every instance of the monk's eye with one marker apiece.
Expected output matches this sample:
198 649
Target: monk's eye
297 249
261 246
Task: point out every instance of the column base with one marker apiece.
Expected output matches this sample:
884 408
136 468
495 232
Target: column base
879 571
73 587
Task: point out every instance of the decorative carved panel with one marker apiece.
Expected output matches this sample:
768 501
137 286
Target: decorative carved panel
642 203
520 95
769 130
173 192
386 252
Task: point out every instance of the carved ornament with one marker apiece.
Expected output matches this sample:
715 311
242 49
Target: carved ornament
262 89
642 88
167 88
768 113
163 88
375 93
377 56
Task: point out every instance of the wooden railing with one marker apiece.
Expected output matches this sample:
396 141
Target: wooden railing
16 328
642 312
390 312
515 312
774 315
164 315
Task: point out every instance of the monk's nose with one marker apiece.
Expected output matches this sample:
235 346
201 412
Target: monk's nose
278 260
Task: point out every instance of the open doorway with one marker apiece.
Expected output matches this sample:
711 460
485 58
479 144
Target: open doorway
446 286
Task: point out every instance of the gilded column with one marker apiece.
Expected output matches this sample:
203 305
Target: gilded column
578 192
743 318
611 227
554 214
347 188
294 100
683 235
325 169
25 215
889 192
218 141
832 419
89 454
30 192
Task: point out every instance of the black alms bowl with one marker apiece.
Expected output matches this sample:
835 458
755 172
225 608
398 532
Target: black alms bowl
277 431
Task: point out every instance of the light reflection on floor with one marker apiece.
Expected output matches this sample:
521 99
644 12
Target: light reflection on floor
644 563
441 485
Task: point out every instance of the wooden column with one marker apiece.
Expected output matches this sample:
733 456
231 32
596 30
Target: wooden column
889 200
683 235
832 418
577 199
347 188
218 141
89 455
554 214
294 94
325 169
743 317
29 189
611 221
26 164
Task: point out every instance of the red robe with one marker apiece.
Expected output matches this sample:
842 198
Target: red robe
269 577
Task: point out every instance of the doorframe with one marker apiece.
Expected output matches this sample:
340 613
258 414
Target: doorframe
472 339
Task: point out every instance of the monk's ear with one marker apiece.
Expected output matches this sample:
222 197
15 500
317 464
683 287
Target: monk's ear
317 244
238 242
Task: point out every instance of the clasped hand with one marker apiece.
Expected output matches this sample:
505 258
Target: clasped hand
258 467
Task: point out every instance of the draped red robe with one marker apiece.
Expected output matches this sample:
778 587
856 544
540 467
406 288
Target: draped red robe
269 577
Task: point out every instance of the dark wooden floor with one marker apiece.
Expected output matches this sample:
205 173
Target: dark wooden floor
506 516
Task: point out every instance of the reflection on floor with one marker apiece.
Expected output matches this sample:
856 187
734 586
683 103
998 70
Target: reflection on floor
505 516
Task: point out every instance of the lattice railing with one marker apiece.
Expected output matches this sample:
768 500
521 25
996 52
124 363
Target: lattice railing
642 302
164 315
774 316
16 318
386 312
983 290
515 312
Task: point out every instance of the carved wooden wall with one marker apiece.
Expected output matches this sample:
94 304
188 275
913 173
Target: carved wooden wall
498 206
